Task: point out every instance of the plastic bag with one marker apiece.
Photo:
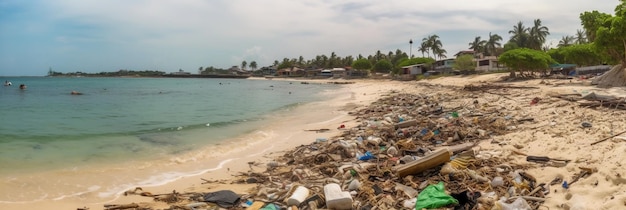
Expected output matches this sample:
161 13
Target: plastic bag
434 196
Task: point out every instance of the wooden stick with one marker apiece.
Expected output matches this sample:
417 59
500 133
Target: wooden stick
528 198
125 206
607 138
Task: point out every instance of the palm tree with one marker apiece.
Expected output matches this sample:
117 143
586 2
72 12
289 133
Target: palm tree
520 34
243 65
492 44
253 65
441 53
580 37
423 48
433 43
537 35
566 41
477 45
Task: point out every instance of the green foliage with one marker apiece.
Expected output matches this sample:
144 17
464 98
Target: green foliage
362 64
413 61
591 21
284 65
583 55
525 60
607 32
253 65
383 66
557 54
464 62
510 46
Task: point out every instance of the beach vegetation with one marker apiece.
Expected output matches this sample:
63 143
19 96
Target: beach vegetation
383 66
490 47
477 45
414 61
464 62
566 41
526 62
492 44
608 35
608 32
527 37
244 64
253 65
579 54
362 64
433 44
581 37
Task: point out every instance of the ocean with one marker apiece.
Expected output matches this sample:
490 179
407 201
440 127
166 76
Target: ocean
123 124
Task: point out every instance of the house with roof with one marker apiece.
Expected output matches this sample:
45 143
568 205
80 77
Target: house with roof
489 63
416 69
291 72
466 52
444 66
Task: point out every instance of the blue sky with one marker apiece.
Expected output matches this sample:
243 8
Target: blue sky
167 35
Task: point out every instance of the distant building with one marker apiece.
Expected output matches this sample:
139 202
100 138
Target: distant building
489 63
414 69
466 52
180 72
236 70
444 66
291 72
338 72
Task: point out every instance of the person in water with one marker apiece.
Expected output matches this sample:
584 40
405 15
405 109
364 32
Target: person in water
22 86
75 92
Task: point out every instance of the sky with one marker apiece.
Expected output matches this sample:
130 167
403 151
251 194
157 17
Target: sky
168 35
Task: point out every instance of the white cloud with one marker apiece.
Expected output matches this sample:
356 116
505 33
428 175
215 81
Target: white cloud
168 35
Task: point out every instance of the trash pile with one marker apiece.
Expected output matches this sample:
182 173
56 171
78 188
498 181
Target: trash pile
408 151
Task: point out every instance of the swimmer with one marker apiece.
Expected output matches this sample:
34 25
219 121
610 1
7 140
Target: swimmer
75 92
22 86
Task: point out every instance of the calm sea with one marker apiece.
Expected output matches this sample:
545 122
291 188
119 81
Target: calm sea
45 128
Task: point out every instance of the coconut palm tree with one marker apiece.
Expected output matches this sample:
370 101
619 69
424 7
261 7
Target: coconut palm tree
423 48
566 41
537 35
519 34
580 37
243 65
477 45
441 53
492 44
433 43
253 65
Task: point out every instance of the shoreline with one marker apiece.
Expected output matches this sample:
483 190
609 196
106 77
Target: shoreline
283 135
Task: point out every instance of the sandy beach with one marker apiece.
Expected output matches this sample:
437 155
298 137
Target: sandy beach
559 129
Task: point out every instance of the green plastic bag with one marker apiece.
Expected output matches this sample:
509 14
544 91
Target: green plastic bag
434 196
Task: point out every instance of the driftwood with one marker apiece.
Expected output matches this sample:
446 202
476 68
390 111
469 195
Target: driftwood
429 161
122 206
607 138
593 100
493 86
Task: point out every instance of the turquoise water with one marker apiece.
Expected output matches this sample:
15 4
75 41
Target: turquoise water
44 127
